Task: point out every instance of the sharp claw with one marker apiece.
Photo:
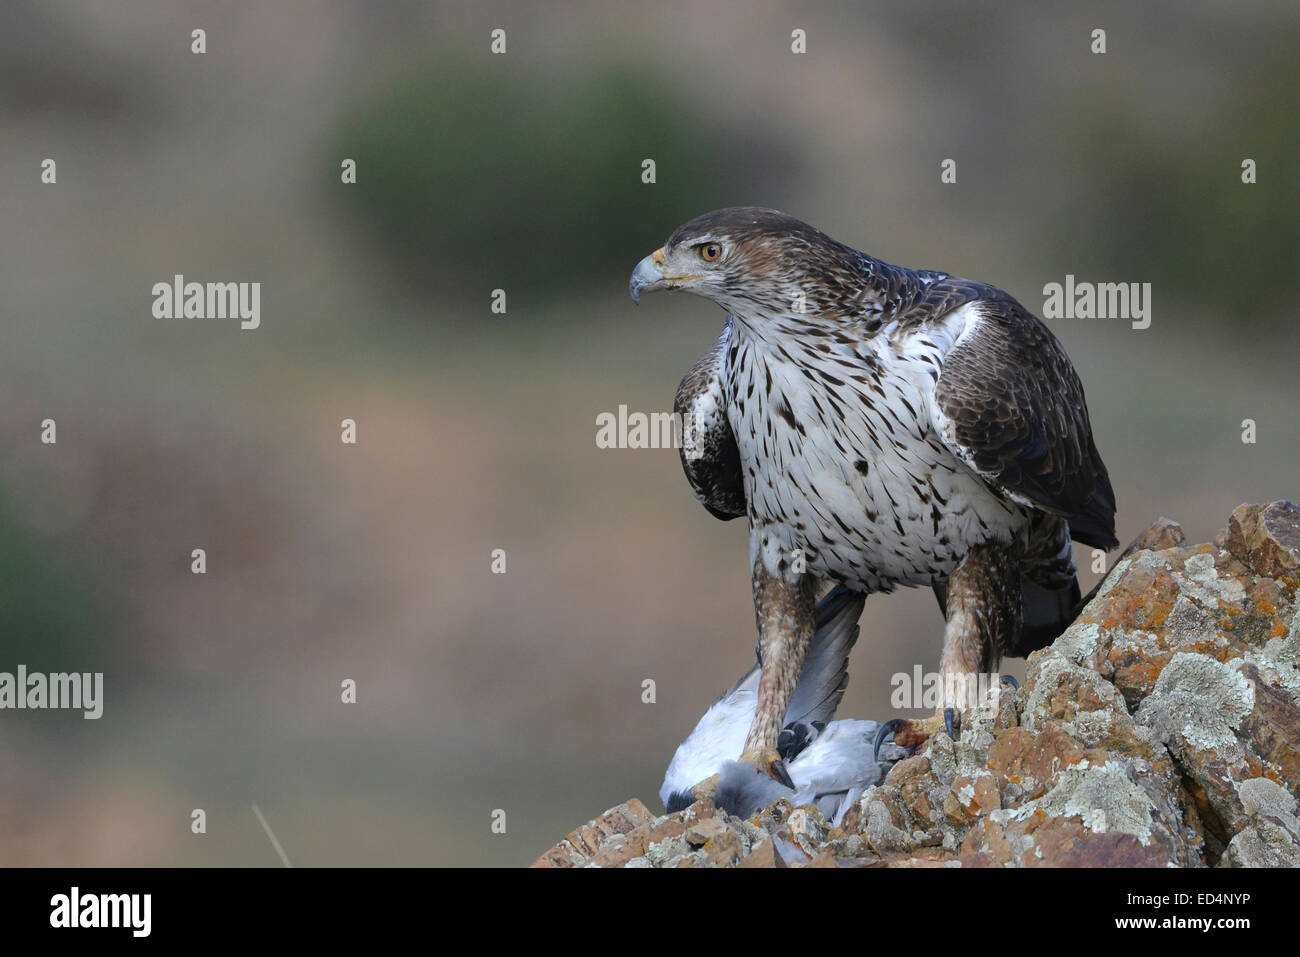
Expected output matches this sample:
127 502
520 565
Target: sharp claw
949 719
778 771
1008 680
892 726
770 762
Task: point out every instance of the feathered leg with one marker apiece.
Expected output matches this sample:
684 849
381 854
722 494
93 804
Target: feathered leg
982 605
784 610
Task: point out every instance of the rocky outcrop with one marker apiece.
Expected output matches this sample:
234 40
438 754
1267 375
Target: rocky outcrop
1162 728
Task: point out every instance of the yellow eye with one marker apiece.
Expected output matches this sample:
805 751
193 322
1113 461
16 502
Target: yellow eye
710 252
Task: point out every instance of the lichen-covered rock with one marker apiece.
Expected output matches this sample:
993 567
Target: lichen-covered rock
1267 538
1270 839
606 834
1162 728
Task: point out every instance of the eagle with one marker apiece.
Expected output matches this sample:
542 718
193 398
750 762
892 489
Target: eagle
878 427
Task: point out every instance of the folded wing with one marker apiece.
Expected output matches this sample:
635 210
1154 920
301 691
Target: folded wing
710 456
1009 404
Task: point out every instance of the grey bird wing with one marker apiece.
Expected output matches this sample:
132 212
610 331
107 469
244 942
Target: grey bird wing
719 736
841 758
825 673
832 773
1009 404
836 768
710 456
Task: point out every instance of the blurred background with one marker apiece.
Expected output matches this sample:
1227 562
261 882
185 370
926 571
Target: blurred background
476 431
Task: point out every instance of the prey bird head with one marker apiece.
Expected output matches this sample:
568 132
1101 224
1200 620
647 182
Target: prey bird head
747 259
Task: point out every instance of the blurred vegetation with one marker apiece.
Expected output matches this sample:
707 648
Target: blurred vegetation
466 177
51 620
1171 214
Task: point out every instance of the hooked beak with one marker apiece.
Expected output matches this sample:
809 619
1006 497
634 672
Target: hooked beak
649 274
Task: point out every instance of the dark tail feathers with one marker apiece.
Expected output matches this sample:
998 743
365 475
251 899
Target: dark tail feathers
1047 613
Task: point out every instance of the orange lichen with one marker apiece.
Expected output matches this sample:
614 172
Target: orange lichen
1214 649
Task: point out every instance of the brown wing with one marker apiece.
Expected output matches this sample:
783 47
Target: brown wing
1011 406
710 456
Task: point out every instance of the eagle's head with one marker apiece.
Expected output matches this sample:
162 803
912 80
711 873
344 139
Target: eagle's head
747 259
